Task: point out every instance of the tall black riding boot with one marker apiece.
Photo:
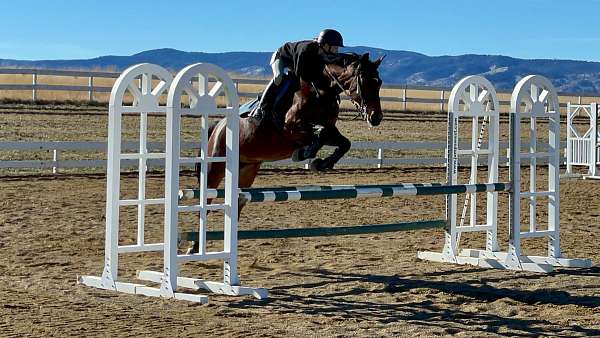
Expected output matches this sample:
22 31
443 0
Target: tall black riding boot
265 106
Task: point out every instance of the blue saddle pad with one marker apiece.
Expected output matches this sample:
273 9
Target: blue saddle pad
249 106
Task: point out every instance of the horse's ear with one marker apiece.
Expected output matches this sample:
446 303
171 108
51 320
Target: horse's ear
365 57
378 61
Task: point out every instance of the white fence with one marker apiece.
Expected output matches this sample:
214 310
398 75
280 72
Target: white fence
383 149
583 145
403 99
383 158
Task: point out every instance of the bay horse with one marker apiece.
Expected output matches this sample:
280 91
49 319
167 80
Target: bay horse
307 105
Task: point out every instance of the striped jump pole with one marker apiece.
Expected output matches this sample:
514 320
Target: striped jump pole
314 193
328 192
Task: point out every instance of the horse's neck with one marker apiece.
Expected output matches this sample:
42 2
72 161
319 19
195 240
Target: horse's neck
335 75
326 106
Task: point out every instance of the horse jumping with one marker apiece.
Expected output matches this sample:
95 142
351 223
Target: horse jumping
310 105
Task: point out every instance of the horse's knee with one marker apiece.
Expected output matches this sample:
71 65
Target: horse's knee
344 144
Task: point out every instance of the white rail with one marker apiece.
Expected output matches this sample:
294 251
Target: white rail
381 159
404 98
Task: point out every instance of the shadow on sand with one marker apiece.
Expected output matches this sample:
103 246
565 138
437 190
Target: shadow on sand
360 303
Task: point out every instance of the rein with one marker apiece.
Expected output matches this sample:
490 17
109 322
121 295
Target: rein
361 108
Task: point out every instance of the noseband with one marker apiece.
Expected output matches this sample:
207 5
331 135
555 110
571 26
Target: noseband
361 106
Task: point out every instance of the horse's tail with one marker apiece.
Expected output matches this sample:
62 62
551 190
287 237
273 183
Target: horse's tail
211 127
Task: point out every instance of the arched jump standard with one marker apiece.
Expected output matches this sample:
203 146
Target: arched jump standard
472 99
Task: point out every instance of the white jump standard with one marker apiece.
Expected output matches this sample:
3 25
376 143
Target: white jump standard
202 102
473 98
533 98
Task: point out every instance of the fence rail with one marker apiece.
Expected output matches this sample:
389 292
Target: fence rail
382 159
403 97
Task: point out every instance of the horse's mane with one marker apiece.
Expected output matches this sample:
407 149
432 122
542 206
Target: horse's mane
344 59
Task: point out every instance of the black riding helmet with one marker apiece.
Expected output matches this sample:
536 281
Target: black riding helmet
330 37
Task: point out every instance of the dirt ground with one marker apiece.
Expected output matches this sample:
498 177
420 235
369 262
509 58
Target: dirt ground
52 230
367 285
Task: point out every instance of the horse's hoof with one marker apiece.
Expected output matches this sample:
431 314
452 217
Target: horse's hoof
301 154
319 165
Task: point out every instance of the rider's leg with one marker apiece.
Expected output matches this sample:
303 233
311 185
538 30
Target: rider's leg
266 101
272 92
271 99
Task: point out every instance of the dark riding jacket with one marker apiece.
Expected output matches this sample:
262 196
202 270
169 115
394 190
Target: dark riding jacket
304 58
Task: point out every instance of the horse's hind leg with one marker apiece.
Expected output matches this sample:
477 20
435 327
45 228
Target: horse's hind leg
216 173
215 170
248 172
311 150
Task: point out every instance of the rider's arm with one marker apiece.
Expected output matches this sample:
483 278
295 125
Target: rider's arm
278 67
307 63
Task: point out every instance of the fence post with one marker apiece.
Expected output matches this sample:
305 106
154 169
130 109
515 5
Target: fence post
442 95
404 98
594 139
55 161
569 149
91 91
380 158
34 85
578 99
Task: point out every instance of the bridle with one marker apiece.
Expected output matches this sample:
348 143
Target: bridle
361 107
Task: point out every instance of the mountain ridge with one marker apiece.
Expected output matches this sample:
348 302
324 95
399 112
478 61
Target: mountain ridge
399 67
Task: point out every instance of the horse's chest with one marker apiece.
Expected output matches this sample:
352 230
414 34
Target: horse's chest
323 114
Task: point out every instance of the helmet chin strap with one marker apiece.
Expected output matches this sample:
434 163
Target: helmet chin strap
361 108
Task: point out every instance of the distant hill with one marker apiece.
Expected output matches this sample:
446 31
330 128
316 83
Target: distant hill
399 67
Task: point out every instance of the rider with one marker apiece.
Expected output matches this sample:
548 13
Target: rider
305 59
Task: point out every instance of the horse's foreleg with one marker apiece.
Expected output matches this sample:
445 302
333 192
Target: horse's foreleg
332 137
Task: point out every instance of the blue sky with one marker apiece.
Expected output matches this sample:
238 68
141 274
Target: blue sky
84 29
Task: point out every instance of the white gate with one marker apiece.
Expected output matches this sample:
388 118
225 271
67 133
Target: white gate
582 146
